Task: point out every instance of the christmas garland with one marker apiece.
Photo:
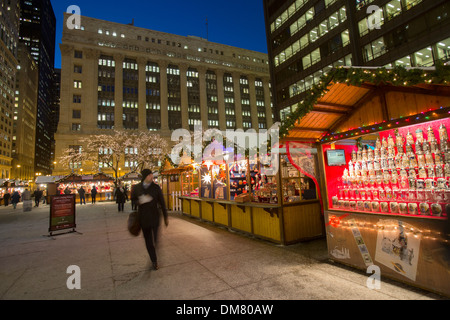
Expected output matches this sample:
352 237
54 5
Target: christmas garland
397 76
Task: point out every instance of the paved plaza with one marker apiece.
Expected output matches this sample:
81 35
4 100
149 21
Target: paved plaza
197 261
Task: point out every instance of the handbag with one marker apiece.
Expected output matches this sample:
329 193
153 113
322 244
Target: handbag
134 226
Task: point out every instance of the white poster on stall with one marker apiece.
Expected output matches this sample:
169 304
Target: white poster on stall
398 246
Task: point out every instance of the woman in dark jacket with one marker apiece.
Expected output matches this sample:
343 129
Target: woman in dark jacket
150 200
15 199
120 197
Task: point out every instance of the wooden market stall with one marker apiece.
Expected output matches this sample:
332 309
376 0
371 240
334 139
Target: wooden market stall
9 186
103 182
382 137
267 198
171 186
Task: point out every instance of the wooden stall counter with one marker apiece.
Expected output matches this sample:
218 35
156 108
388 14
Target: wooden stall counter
410 249
272 222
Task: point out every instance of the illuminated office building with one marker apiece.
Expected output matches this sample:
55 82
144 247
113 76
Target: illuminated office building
116 76
307 38
9 39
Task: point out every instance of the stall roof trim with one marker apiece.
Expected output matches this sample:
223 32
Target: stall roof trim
345 90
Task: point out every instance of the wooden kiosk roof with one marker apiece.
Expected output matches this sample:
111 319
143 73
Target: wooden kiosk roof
353 98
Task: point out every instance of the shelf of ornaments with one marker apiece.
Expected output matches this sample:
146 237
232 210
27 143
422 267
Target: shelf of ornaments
419 183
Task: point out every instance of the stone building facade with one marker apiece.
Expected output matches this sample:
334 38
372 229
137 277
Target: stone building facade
116 76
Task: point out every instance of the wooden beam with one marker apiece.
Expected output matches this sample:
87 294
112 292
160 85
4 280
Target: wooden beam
303 129
328 111
334 105
435 91
369 95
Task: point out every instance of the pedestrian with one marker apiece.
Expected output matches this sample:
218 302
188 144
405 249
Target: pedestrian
119 194
6 198
82 194
37 197
93 194
15 198
44 196
27 203
133 202
150 200
126 192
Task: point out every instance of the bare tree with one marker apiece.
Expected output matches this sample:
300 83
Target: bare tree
138 149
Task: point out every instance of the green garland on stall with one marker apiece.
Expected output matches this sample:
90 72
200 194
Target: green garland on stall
398 76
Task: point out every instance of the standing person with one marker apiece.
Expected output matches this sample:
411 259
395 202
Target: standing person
148 196
82 193
93 194
37 197
26 198
119 194
67 190
15 198
44 196
133 202
6 198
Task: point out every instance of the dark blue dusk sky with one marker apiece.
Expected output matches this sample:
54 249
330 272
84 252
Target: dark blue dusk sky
238 23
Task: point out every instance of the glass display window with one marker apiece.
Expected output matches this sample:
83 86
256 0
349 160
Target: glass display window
297 175
219 178
403 171
190 183
237 172
206 181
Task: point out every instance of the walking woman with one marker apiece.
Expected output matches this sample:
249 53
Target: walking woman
148 196
120 197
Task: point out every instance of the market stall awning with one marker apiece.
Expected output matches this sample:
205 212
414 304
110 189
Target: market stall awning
48 179
334 105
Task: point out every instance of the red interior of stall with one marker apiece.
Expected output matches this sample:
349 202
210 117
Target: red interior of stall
334 174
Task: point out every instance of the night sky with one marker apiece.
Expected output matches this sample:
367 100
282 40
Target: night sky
238 23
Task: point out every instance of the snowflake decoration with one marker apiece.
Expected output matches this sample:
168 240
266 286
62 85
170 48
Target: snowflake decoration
207 178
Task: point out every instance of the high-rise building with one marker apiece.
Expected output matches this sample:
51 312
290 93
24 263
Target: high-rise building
9 39
37 31
24 134
117 76
56 100
307 38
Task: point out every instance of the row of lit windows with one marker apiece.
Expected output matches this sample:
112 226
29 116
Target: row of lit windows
172 107
110 33
294 8
193 122
151 79
130 65
152 68
307 83
425 57
313 35
213 110
106 103
153 106
231 124
131 164
230 112
247 124
213 123
192 74
130 104
106 62
106 117
194 108
386 13
285 15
